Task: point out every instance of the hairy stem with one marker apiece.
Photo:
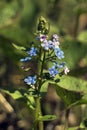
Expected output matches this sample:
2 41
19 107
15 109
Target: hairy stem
38 125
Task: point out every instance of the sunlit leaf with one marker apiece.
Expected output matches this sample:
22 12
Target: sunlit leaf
72 83
21 48
69 97
15 95
30 102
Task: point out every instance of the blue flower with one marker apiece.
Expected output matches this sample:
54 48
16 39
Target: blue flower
47 44
32 51
59 53
25 59
53 71
30 80
59 66
62 65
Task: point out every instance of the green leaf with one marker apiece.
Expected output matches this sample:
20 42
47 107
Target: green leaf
21 95
69 97
20 48
14 93
30 102
44 88
76 85
47 117
72 83
73 91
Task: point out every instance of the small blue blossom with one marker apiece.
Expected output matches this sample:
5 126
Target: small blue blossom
25 59
30 80
62 65
56 65
47 44
32 51
59 53
59 66
53 71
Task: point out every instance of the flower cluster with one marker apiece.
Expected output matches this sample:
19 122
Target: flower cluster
47 46
32 51
53 44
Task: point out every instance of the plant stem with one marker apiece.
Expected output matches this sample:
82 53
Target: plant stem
38 125
41 72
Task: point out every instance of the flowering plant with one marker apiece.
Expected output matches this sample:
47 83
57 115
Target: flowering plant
44 51
48 68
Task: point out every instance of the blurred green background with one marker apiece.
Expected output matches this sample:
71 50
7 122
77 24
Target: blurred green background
18 19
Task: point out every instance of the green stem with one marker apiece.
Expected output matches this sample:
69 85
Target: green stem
41 72
38 125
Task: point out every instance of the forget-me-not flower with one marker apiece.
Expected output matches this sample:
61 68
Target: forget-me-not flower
59 53
30 80
25 59
47 44
32 51
59 66
53 71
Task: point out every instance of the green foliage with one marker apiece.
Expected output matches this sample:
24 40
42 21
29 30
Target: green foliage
21 95
72 91
20 48
69 97
72 83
